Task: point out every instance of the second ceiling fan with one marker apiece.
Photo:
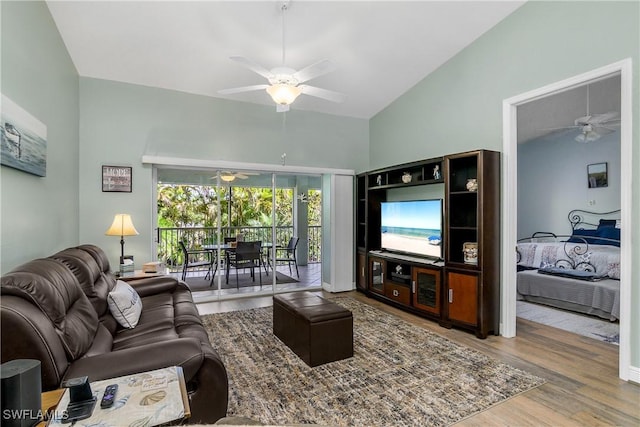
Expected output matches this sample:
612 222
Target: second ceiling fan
285 84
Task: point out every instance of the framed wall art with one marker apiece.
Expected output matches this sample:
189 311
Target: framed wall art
23 139
597 175
116 179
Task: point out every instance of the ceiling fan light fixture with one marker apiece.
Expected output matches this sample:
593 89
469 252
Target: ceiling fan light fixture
284 94
587 134
227 177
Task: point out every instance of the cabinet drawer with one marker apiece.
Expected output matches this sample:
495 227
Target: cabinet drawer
399 293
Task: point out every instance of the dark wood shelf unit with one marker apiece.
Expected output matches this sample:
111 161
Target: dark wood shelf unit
412 285
456 293
472 216
407 175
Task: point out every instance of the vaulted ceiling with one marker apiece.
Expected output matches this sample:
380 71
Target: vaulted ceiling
380 48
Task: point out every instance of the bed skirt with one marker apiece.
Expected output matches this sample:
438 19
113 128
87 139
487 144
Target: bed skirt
600 298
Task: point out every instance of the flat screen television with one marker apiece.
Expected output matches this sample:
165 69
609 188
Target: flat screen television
412 227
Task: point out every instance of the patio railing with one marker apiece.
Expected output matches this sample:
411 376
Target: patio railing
196 237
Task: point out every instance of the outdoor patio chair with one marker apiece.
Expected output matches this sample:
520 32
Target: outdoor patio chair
198 258
246 255
288 254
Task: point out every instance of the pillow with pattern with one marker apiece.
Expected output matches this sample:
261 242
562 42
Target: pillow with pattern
125 304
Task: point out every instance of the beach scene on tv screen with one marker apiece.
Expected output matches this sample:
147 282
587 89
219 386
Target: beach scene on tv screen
413 227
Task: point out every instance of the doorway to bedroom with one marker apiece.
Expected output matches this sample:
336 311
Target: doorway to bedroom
561 139
511 184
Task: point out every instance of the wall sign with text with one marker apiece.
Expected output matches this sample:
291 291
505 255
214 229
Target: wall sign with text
116 179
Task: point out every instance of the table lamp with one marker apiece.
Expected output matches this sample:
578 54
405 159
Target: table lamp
122 226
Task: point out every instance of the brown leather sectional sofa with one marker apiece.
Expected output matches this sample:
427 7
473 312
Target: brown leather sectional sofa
55 310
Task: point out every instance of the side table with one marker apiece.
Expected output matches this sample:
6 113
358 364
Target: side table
147 398
50 401
139 274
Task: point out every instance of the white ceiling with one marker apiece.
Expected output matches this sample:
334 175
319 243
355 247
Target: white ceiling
381 48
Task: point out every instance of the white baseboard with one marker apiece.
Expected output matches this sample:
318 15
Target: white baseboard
333 289
634 374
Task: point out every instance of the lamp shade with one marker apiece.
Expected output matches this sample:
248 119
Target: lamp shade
122 226
284 94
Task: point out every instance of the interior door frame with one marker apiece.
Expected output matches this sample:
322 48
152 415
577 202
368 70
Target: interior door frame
510 197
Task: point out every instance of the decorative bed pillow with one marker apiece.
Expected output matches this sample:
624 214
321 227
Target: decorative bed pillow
610 235
580 235
125 304
572 274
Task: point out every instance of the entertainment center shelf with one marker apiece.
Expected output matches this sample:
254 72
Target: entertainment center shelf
461 289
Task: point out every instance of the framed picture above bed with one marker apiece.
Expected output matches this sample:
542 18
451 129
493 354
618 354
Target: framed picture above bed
597 175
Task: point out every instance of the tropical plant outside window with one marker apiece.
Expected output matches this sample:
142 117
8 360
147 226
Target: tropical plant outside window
190 213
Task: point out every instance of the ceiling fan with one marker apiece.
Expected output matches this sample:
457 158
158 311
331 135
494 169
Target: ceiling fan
230 176
593 126
285 83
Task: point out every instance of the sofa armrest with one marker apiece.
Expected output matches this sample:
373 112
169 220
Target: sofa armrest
184 352
155 285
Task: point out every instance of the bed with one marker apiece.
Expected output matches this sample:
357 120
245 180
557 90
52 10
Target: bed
578 272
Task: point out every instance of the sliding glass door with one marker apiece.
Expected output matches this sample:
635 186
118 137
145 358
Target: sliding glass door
218 211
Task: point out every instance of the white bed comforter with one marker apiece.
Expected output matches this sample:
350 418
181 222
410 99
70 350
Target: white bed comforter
604 258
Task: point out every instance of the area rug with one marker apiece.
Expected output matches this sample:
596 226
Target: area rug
588 326
400 375
244 280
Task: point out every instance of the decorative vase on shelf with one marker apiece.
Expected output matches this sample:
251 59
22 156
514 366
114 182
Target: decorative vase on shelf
470 252
436 172
406 177
472 184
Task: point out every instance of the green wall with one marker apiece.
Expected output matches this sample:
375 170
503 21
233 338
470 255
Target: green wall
459 106
122 122
94 122
39 216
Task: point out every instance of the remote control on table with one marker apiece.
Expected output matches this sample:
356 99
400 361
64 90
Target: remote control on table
109 396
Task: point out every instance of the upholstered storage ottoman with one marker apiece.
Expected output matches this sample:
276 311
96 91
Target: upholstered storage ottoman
317 330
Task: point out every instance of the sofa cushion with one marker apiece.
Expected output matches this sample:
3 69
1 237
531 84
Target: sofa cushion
104 283
125 305
83 266
53 288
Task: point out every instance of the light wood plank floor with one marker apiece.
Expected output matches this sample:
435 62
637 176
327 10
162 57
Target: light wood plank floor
582 386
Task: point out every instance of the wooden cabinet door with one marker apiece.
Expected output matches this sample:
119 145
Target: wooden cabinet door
425 287
463 297
376 275
361 276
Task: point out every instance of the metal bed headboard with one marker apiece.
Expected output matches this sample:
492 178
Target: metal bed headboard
576 250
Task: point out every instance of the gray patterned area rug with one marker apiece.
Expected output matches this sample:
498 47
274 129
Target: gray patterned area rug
400 375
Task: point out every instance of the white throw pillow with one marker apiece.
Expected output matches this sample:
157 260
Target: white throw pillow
125 304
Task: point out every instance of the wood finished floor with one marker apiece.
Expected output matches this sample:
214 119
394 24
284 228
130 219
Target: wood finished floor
582 386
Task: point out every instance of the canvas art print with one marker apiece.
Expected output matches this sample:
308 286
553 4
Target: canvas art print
24 139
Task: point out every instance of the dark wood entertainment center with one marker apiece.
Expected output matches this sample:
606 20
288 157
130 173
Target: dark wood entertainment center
463 289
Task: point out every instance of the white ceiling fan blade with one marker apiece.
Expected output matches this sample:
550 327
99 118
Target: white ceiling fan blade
562 128
314 70
329 95
242 89
605 117
603 130
255 67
